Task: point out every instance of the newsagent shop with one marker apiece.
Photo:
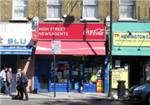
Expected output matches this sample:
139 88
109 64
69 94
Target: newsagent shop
78 56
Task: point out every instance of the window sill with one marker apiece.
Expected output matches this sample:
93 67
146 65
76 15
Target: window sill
90 19
127 19
19 20
54 19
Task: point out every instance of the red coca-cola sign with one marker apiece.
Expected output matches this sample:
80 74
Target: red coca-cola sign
89 32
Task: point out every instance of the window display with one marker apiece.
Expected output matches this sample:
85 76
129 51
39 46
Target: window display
62 72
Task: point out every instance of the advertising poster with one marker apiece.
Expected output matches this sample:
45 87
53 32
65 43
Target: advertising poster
118 74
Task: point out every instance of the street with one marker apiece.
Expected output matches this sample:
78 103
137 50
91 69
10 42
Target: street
54 101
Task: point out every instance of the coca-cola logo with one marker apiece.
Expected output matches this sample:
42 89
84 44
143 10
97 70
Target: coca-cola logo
94 32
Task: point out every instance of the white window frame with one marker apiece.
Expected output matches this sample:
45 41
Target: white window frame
20 3
93 5
58 4
130 4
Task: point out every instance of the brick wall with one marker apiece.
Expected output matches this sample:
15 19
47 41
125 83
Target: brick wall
74 8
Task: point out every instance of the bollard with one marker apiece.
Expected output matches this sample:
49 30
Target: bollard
121 88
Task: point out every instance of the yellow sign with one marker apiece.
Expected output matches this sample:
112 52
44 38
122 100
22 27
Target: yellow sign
119 75
133 39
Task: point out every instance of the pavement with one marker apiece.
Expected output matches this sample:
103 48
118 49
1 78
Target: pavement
69 95
70 98
62 95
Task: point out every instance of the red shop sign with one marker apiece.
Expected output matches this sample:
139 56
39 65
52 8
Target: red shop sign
90 32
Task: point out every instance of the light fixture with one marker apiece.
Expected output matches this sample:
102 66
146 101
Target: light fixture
68 19
148 32
64 16
119 48
129 33
139 49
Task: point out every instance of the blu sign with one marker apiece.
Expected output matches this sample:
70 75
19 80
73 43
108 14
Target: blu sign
15 41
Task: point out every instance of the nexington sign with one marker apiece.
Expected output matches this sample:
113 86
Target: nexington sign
15 34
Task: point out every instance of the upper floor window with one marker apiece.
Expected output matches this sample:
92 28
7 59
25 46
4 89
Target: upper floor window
90 9
127 9
54 9
19 9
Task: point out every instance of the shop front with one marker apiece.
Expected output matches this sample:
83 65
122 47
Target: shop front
79 52
15 47
130 51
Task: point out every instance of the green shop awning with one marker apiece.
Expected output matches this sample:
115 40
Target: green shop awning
131 51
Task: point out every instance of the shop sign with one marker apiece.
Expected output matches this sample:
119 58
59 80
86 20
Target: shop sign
72 32
135 39
5 41
13 34
56 46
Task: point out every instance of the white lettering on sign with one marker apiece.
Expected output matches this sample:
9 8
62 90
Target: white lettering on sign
59 29
94 32
53 31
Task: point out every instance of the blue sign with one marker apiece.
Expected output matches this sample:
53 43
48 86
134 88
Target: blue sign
15 41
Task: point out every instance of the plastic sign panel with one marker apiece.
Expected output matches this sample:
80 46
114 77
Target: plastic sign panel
133 39
91 32
15 34
56 46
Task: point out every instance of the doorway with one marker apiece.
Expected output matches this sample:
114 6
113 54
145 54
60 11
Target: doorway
10 61
43 75
136 72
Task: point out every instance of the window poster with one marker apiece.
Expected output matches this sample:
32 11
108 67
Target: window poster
59 74
75 72
90 70
86 70
119 74
147 70
117 63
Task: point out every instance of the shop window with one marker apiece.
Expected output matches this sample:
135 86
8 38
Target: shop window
19 9
61 73
126 9
92 74
54 9
90 10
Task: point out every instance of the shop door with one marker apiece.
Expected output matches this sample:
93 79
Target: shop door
62 77
136 68
43 75
76 79
10 61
